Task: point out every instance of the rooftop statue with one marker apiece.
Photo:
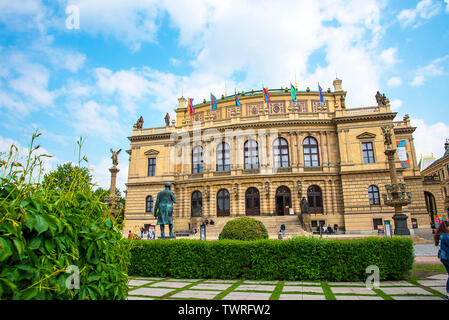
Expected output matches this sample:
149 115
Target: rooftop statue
139 123
167 119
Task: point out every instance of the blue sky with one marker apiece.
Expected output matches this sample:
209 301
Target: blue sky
132 58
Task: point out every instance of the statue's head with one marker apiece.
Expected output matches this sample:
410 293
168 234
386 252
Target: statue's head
168 185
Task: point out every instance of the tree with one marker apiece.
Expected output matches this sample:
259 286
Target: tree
67 176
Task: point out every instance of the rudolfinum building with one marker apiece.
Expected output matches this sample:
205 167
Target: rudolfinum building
262 158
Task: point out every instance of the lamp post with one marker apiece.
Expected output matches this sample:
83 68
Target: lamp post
397 195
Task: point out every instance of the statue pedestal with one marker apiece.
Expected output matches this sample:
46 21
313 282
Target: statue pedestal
400 225
166 237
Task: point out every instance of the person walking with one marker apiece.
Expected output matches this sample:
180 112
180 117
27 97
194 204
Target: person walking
130 235
441 238
283 229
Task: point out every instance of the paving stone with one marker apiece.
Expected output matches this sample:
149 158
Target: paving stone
430 283
247 296
396 284
134 283
405 290
302 289
255 287
139 298
206 295
184 280
348 284
416 298
259 282
358 298
212 286
154 292
221 281
357 290
295 296
438 277
168 284
301 283
440 289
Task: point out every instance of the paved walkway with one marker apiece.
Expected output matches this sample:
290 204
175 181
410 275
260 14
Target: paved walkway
432 288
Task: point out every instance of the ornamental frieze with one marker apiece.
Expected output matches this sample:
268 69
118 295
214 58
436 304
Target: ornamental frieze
276 107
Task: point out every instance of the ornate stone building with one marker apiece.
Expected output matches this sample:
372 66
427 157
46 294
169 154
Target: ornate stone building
436 185
263 158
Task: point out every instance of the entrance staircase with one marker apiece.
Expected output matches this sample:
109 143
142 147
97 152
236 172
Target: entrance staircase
272 223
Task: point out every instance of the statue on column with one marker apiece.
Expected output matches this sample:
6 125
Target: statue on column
163 210
387 134
115 157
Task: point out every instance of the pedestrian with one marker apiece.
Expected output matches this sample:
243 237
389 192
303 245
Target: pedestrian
441 238
325 229
130 235
212 222
280 235
329 229
283 229
335 228
141 232
207 222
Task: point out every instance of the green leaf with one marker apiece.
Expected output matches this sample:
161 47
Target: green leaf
28 294
5 249
41 224
109 223
93 278
34 244
19 246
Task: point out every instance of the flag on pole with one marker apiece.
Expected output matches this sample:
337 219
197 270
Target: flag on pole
266 95
213 102
293 93
237 102
190 106
321 93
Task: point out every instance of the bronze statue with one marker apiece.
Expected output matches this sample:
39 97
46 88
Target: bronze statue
304 205
379 99
167 119
114 157
139 123
163 209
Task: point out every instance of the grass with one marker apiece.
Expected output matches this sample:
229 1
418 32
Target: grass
431 268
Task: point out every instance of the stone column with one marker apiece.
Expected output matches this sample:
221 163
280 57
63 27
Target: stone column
114 170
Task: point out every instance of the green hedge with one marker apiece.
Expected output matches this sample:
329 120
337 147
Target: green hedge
302 258
244 228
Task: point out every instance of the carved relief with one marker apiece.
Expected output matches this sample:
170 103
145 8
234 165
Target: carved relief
276 107
299 106
151 152
317 105
230 110
197 116
214 114
253 109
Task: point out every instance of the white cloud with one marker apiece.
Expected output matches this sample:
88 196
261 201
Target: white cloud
447 5
394 82
388 56
435 68
417 81
429 138
396 104
174 62
425 9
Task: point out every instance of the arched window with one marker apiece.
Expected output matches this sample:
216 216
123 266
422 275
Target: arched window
197 204
197 160
280 149
310 146
373 194
149 204
315 199
223 203
251 154
223 157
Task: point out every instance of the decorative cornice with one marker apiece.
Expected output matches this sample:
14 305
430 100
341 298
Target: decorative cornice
378 116
366 135
404 130
151 152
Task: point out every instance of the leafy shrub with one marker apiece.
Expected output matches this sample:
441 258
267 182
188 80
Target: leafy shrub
244 228
46 230
297 259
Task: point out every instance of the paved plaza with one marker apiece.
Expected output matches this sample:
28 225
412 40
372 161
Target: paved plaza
431 288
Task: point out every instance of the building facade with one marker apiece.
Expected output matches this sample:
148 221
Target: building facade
263 158
436 185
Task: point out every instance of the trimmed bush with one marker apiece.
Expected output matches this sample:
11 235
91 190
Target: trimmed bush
244 228
48 232
298 259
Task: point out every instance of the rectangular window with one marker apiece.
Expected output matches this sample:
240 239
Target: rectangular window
368 152
151 167
377 223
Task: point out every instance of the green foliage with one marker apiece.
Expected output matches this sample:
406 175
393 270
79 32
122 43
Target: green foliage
298 259
45 229
67 176
244 228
